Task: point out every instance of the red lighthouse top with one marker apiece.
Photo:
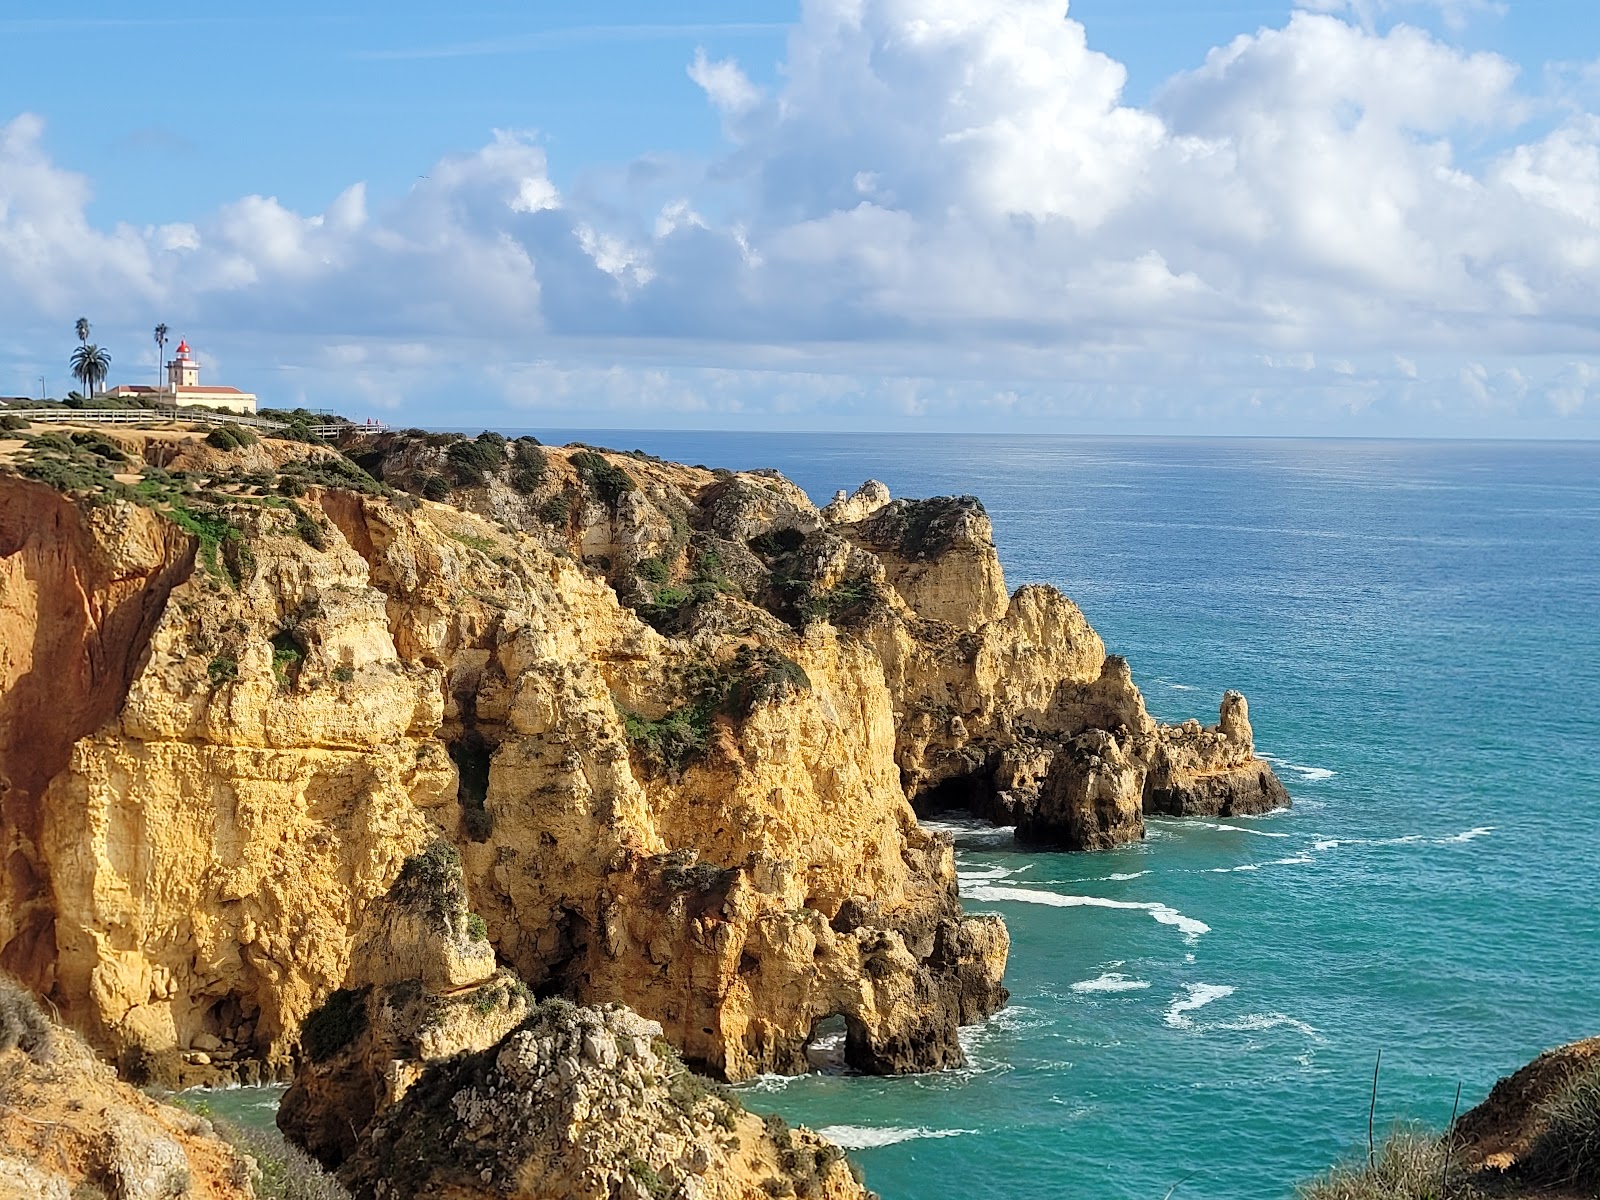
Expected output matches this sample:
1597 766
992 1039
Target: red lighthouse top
183 347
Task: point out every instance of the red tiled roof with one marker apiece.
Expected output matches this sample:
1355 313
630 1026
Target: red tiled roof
184 387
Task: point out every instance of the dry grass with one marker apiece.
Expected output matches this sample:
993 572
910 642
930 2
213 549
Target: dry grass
1566 1151
1408 1166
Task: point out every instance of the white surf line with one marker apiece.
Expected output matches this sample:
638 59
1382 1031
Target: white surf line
1111 981
1410 839
1307 774
1166 914
1197 996
1299 860
864 1137
1239 829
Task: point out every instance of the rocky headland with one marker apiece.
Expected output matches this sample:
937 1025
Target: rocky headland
669 729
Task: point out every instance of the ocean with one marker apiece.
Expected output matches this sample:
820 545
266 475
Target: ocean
1417 627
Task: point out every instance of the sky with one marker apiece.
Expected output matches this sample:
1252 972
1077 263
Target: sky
1336 217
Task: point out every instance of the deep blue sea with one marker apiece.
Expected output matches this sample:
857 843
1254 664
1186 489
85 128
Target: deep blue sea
1417 627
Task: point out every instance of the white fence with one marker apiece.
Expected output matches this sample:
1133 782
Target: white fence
142 416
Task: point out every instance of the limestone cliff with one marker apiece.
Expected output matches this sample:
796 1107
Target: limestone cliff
443 1084
672 719
586 1104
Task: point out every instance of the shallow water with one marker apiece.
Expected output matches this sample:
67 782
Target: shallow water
1416 627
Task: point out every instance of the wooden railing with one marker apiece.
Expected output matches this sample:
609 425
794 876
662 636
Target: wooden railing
141 416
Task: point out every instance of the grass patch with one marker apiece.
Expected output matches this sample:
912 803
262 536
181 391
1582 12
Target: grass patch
1407 1166
284 1171
1566 1151
23 1025
212 529
484 545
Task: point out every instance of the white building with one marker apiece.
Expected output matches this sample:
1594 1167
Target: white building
184 388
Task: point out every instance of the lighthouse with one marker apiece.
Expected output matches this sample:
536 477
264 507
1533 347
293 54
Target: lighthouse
183 371
184 388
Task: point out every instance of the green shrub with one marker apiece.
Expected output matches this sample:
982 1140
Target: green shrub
528 466
222 669
10 423
287 658
652 570
221 437
340 1020
434 487
212 529
343 673
557 510
310 530
1566 1151
477 928
100 446
430 882
610 483
471 461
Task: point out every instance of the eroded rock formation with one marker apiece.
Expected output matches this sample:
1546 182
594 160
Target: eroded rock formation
670 717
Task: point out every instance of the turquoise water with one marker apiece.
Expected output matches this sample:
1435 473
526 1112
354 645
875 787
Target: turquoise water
1417 626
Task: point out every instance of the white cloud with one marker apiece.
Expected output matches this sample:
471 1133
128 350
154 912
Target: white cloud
950 190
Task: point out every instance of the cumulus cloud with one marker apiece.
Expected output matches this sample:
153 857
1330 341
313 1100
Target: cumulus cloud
960 190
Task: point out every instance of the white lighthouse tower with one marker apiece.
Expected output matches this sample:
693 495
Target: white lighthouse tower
183 371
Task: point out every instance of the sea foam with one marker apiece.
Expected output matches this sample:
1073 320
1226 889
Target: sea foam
1163 913
1197 996
1111 981
864 1137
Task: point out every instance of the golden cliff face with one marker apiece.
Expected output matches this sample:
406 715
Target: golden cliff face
673 719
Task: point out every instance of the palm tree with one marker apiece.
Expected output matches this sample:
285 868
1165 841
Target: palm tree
83 329
161 350
91 365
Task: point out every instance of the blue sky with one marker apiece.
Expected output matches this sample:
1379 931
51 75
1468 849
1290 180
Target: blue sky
1365 217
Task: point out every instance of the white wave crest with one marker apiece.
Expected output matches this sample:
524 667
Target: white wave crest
1298 860
863 1137
1468 835
1241 829
1111 981
990 873
1410 839
1197 995
1307 774
1167 915
1124 876
1254 1021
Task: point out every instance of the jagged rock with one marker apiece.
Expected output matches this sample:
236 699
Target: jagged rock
370 1041
938 555
1092 798
712 826
1212 771
585 1104
858 506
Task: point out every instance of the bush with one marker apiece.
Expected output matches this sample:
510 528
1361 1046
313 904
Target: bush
287 658
1567 1148
339 1022
528 466
222 669
344 673
430 881
557 510
11 424
471 461
609 483
22 1025
222 438
434 487
477 928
